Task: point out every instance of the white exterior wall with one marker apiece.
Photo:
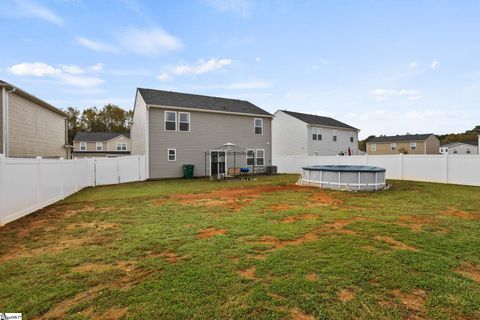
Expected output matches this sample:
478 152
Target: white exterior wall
328 147
289 135
461 149
138 131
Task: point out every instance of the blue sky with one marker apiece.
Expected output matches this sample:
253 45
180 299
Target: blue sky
386 67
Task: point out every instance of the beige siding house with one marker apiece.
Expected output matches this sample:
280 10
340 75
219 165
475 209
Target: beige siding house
173 129
101 144
29 126
409 144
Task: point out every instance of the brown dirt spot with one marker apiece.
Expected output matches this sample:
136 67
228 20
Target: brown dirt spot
395 243
414 300
469 270
291 219
346 295
416 223
248 273
277 244
453 212
338 226
92 267
280 206
114 314
298 314
171 257
312 277
97 225
210 232
323 198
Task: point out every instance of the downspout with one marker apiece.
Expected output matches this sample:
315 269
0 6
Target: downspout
5 119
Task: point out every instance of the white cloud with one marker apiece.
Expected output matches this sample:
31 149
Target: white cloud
164 77
67 74
258 59
96 67
413 64
381 95
30 9
434 64
148 42
241 7
202 67
36 69
96 45
315 67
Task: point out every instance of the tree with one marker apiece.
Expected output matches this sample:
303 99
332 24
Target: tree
362 144
73 122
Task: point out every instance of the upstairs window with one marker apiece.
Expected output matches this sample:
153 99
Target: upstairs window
258 125
393 146
317 134
455 151
373 147
170 121
351 139
99 146
83 146
335 135
468 151
413 146
172 155
184 121
260 157
334 138
121 146
250 157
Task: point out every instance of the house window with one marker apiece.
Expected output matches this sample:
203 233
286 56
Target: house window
317 134
334 135
455 151
351 139
260 157
373 147
258 124
413 146
468 150
121 146
83 146
99 146
393 146
250 157
183 121
316 153
170 121
172 155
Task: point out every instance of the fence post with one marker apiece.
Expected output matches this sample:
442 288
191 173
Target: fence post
3 182
401 165
61 180
139 168
445 168
118 170
39 180
366 159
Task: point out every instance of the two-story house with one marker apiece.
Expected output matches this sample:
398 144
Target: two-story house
101 144
29 126
295 133
461 148
409 144
173 129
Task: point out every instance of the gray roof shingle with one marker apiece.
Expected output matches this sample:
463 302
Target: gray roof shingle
194 101
318 120
99 136
403 138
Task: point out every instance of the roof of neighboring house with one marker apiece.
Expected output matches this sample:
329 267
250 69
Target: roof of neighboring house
471 143
98 136
318 120
32 98
403 138
194 101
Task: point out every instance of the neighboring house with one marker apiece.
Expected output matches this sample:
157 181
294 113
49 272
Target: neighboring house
410 143
459 148
173 129
101 144
29 126
295 133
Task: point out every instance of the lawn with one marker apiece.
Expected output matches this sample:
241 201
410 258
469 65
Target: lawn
265 249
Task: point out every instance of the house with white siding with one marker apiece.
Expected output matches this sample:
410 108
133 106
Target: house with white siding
29 126
462 148
295 133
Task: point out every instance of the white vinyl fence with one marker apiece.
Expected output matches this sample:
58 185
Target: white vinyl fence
27 185
455 169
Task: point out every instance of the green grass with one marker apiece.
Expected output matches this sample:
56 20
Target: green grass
134 251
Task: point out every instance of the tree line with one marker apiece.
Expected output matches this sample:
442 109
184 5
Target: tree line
110 118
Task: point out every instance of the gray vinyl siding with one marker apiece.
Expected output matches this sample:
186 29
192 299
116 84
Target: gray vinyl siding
34 130
138 131
289 135
328 147
208 130
1 120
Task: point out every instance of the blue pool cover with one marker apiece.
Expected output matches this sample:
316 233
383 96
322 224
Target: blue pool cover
344 168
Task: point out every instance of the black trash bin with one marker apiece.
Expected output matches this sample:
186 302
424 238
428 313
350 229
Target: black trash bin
188 170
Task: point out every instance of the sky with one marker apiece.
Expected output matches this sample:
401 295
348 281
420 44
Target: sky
385 67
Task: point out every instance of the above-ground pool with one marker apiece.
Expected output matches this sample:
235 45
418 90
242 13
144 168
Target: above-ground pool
344 177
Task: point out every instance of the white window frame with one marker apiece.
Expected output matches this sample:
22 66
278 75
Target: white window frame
255 126
97 144
247 157
257 157
468 151
373 147
352 138
174 154
189 121
121 144
335 137
393 146
413 146
165 120
317 133
83 146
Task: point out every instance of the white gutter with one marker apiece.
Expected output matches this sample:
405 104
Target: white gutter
5 119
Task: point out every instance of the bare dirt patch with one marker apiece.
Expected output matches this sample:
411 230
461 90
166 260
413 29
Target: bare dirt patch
469 270
248 273
346 295
171 257
114 314
395 243
453 212
312 277
414 300
210 232
417 223
276 244
92 267
323 198
298 314
93 225
300 217
280 207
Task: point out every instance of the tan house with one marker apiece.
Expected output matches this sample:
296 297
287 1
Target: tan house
29 126
101 144
408 144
